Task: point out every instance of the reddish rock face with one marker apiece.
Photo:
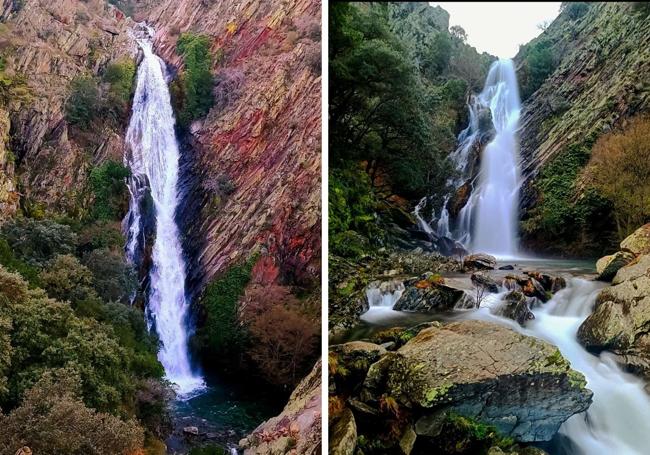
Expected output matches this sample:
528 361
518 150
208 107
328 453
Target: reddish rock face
263 134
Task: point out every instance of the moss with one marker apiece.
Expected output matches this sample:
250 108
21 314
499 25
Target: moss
475 431
436 394
556 359
577 379
196 83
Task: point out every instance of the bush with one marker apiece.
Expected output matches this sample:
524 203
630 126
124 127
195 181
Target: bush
36 241
619 169
66 279
284 341
53 419
197 80
539 63
84 103
152 402
109 187
12 87
221 333
575 10
10 262
112 278
101 234
120 75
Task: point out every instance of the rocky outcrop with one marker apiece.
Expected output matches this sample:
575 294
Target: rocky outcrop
598 82
262 136
426 295
474 370
620 321
516 306
9 196
54 42
638 242
631 247
297 428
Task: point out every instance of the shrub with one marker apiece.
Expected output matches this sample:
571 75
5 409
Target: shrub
227 87
109 187
12 87
101 234
197 80
84 103
53 419
619 169
283 340
539 63
36 241
66 279
112 278
120 75
575 10
152 403
221 332
10 262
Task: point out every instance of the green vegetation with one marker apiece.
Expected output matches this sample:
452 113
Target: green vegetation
120 75
37 241
221 333
208 450
83 104
109 188
194 89
539 62
12 87
398 86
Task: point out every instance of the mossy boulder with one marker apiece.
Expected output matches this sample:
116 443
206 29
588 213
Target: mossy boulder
520 385
479 261
343 435
638 242
427 295
607 266
516 306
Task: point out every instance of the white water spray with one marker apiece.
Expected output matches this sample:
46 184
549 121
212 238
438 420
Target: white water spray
154 160
487 222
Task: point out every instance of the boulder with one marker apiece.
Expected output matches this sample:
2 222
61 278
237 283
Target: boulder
638 242
515 306
507 267
355 357
479 261
343 435
607 266
521 385
485 281
427 296
621 317
298 425
193 431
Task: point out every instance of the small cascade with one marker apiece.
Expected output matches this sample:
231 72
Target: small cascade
382 297
153 158
487 222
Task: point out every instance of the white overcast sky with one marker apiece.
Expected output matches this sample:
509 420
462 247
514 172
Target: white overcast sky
500 27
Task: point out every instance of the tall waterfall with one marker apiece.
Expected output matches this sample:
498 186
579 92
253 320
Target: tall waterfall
488 221
153 158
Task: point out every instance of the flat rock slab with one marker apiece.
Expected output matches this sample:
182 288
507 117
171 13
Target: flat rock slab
519 384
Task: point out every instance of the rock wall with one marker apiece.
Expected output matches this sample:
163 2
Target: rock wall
50 43
261 139
600 80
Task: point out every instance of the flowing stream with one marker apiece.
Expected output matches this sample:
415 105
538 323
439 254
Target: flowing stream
153 158
492 206
615 423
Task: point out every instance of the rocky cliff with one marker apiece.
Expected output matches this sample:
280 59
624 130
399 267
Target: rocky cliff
49 44
261 139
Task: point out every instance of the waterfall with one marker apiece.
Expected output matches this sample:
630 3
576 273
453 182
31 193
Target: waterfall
488 221
153 157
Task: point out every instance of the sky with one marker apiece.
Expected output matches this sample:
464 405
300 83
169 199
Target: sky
500 27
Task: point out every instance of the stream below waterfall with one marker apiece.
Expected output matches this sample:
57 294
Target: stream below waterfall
616 422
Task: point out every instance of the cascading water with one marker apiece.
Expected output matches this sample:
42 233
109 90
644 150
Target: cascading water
487 222
153 157
616 422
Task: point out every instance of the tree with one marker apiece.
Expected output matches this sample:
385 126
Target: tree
83 104
37 241
458 32
112 278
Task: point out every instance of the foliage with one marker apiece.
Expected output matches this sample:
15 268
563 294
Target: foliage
66 279
36 241
539 62
153 400
100 234
221 333
284 341
13 87
208 450
120 75
113 279
196 82
575 10
53 419
9 260
619 169
109 187
84 103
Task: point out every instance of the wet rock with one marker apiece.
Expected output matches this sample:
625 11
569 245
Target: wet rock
193 431
298 425
507 267
356 357
343 438
479 261
516 306
521 385
485 281
621 317
607 266
427 296
407 441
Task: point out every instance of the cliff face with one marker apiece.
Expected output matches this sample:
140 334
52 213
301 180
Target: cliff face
50 43
600 80
261 140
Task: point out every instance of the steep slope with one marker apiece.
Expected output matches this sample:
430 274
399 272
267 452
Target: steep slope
51 43
261 140
599 61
